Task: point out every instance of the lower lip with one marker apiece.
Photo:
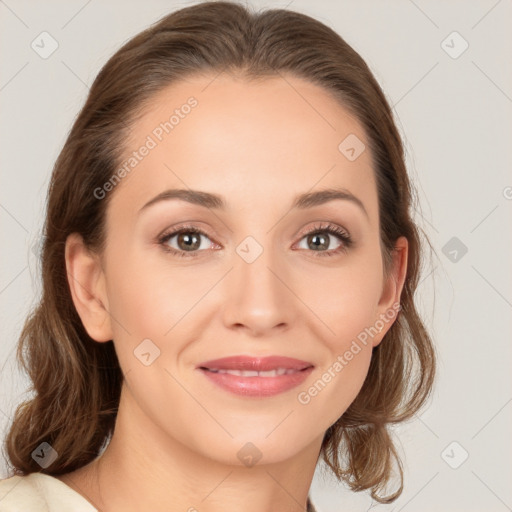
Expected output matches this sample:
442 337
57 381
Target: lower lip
257 386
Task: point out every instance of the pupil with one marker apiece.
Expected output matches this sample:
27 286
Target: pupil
191 241
323 245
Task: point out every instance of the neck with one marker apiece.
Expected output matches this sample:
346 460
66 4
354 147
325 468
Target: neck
143 468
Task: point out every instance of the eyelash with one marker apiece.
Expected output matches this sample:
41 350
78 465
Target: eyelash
332 229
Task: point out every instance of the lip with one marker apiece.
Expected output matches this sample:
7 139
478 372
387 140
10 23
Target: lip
259 364
256 386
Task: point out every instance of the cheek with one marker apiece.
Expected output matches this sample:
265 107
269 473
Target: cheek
348 310
345 299
336 386
148 296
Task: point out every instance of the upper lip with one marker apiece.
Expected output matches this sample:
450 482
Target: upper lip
255 363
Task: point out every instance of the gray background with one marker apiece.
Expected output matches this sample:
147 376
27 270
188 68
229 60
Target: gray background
455 116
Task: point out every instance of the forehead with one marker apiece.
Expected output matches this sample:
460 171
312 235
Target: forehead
254 142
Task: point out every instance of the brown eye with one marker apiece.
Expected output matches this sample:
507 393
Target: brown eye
319 239
188 240
184 240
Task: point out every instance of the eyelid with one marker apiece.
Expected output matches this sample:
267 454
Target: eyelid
324 226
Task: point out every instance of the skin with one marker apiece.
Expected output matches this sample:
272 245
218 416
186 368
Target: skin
177 434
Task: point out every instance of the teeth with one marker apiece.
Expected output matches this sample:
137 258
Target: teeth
252 373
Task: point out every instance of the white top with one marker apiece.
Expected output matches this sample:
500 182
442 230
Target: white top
39 492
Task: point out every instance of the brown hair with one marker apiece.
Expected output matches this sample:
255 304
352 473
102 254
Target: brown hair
77 381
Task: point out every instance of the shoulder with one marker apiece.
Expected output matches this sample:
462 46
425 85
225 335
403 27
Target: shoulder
18 493
39 492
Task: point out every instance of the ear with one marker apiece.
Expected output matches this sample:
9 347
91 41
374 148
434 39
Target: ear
88 290
389 303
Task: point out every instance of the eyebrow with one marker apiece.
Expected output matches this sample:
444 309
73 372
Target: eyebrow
217 202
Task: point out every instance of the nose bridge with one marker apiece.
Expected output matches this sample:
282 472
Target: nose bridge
257 297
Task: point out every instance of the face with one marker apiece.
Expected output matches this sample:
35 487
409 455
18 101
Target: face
260 275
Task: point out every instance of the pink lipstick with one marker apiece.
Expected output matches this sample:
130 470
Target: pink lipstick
256 376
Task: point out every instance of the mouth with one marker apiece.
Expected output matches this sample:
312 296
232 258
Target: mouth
256 377
252 373
243 363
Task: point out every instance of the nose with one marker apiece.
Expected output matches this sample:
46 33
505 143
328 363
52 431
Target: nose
258 298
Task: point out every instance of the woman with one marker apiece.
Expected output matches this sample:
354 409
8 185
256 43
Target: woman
229 268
